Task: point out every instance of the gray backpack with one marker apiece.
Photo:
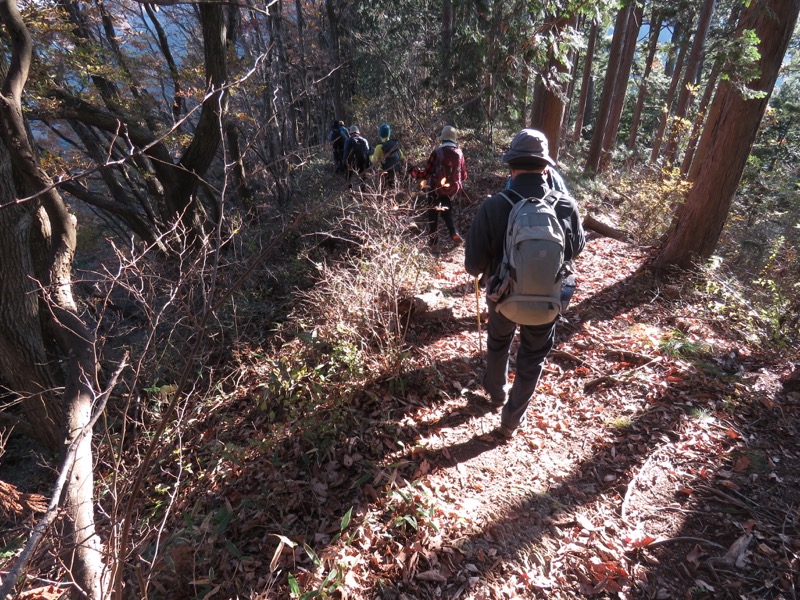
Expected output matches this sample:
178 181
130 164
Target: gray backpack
527 286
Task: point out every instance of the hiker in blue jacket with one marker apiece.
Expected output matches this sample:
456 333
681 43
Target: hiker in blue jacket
529 161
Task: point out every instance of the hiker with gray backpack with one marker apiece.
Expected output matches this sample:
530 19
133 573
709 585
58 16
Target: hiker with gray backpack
522 242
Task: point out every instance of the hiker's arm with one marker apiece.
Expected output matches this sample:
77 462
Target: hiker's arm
477 252
377 154
429 167
573 228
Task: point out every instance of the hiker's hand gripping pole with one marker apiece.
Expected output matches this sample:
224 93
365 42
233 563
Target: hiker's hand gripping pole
478 313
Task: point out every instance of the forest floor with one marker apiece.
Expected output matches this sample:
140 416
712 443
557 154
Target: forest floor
658 461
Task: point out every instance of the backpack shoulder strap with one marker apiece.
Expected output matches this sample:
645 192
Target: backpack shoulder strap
510 201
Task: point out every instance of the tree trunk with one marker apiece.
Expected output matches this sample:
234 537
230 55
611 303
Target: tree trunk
24 363
548 103
667 108
56 289
711 86
333 23
621 85
690 76
679 35
607 98
586 82
446 52
699 119
727 139
655 31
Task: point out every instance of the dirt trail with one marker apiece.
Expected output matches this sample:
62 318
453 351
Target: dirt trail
624 479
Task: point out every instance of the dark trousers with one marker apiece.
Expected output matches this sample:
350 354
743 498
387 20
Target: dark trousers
535 344
439 205
338 156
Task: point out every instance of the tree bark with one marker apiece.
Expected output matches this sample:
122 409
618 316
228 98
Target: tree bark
727 139
333 23
621 85
586 82
711 86
614 59
446 52
667 107
690 76
548 106
64 320
655 31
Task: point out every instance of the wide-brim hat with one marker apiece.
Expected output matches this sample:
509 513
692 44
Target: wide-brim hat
449 134
529 147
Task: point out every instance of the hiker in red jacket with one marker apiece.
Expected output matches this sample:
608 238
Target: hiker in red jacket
445 172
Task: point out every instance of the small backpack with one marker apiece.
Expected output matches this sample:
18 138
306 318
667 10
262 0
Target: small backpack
446 180
391 155
527 286
359 153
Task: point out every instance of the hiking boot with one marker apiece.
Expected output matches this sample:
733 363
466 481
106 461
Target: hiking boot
504 431
457 239
496 399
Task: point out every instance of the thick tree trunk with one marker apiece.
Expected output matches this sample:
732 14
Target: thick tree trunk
586 84
56 290
655 31
711 86
690 76
727 139
24 363
548 103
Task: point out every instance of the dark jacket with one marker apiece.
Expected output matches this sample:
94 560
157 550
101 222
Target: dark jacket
486 238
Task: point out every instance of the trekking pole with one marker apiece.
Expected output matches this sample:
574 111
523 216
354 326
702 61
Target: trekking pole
478 313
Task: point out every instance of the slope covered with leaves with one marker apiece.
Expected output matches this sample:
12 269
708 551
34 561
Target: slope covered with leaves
657 460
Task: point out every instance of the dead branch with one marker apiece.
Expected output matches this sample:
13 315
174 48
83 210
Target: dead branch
686 538
589 386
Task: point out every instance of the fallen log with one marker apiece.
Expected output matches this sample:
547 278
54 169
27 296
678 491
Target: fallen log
589 222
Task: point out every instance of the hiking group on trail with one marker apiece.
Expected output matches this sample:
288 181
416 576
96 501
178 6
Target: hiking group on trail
521 245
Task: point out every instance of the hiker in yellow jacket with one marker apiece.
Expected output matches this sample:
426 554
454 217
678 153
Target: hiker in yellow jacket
388 156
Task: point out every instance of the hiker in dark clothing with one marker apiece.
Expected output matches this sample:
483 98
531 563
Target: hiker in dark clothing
388 156
529 162
356 153
445 171
337 136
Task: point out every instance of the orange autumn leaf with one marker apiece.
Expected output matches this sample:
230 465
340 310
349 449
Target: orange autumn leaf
742 463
